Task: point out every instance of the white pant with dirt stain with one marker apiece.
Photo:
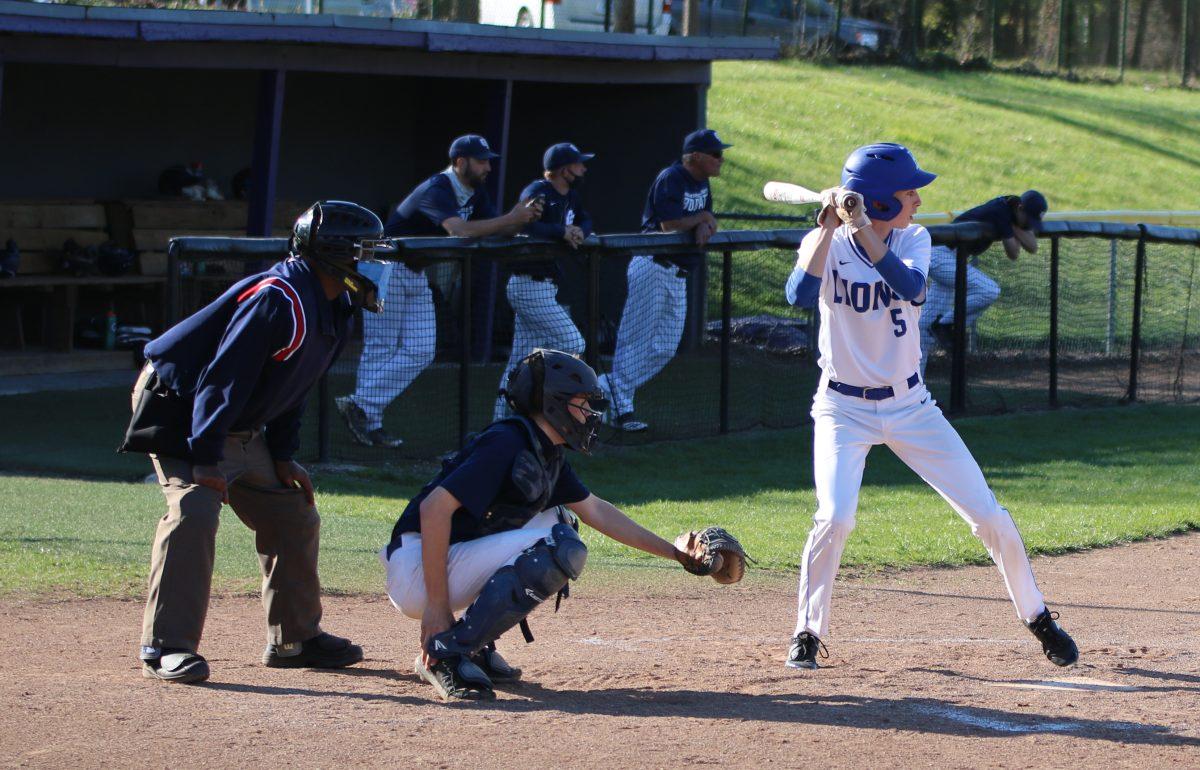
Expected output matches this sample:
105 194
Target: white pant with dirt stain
650 331
469 564
398 343
911 425
538 322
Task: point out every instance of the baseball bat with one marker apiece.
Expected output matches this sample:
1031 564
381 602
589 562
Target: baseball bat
785 192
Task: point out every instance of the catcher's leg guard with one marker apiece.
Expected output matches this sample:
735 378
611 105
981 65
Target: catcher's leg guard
513 592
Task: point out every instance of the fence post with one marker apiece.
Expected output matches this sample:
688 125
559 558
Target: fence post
464 363
608 15
1135 338
1110 339
1064 35
993 24
837 24
1054 322
1184 42
323 419
745 16
174 289
1124 40
915 29
958 362
591 335
726 323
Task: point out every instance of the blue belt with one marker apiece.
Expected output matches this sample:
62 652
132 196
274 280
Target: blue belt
871 394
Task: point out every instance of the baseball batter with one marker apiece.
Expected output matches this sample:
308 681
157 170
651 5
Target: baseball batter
866 265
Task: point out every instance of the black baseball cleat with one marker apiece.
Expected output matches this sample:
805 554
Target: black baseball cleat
495 666
179 666
456 678
803 653
1056 643
322 651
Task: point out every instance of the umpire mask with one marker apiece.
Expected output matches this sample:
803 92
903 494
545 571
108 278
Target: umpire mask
545 382
335 236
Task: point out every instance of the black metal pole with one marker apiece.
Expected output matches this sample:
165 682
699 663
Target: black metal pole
608 15
323 418
1135 339
726 322
958 363
592 331
174 289
464 362
1054 322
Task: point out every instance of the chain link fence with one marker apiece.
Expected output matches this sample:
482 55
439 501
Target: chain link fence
1072 326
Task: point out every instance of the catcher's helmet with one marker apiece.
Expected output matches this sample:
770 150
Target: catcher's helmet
335 235
545 382
878 172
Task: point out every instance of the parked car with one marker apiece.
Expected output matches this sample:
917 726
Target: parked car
653 16
807 20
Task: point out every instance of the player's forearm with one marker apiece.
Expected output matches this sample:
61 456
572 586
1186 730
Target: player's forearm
608 520
1027 240
684 223
462 228
436 512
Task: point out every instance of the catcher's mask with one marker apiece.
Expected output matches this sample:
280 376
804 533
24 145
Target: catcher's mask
878 172
545 382
335 236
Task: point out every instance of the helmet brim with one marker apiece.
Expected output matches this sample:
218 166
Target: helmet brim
919 180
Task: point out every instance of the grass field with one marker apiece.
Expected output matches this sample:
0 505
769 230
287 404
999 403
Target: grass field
1072 479
1086 146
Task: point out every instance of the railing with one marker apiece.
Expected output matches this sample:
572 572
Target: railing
751 364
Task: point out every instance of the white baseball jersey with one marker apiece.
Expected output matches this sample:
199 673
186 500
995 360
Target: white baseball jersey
869 335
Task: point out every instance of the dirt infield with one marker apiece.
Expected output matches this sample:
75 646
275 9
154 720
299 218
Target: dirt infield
927 668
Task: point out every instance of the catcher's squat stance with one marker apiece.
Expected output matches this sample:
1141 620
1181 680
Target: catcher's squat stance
866 263
492 529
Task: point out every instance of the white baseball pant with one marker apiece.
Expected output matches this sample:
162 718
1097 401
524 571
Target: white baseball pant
538 322
468 566
650 331
397 344
982 291
910 424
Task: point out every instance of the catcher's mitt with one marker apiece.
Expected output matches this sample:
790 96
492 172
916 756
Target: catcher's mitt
712 551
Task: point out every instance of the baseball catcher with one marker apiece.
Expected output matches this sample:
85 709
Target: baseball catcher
496 532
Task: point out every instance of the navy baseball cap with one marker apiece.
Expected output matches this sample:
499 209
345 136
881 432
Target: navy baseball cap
564 154
1035 207
704 140
471 146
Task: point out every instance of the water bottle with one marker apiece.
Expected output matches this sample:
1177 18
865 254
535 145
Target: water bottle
110 329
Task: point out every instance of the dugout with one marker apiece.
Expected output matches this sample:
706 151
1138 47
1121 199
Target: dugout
95 102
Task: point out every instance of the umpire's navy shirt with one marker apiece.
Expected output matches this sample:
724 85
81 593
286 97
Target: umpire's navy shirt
998 212
676 194
433 202
558 212
250 357
480 475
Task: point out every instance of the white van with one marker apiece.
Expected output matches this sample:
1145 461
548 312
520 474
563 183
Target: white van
650 16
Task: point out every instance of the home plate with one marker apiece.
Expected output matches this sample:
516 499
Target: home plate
1073 683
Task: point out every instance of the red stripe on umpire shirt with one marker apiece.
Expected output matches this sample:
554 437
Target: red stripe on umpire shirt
298 325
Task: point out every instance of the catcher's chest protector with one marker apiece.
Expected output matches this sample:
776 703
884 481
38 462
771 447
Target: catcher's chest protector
534 474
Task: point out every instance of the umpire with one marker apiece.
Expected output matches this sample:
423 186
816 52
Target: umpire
217 407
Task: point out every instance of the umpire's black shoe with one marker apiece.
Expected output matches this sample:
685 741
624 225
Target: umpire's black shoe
456 678
803 653
322 651
1056 643
179 666
495 666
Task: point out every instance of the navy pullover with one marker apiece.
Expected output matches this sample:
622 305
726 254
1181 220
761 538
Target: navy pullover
249 358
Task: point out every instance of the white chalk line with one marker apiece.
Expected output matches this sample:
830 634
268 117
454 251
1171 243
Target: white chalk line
1007 726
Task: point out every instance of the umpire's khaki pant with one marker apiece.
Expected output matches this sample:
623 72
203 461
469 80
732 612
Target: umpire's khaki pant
287 537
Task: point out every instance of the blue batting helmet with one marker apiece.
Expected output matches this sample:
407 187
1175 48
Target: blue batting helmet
878 172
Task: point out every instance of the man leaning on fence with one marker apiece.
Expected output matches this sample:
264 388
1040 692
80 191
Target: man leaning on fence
217 407
538 320
1016 221
680 200
401 341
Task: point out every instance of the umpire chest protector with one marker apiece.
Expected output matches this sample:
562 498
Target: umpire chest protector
533 477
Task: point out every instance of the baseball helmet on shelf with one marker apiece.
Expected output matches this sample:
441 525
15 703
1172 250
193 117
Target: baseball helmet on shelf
336 235
878 172
545 382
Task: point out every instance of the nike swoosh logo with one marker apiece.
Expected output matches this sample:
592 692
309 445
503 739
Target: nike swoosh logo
924 399
840 262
